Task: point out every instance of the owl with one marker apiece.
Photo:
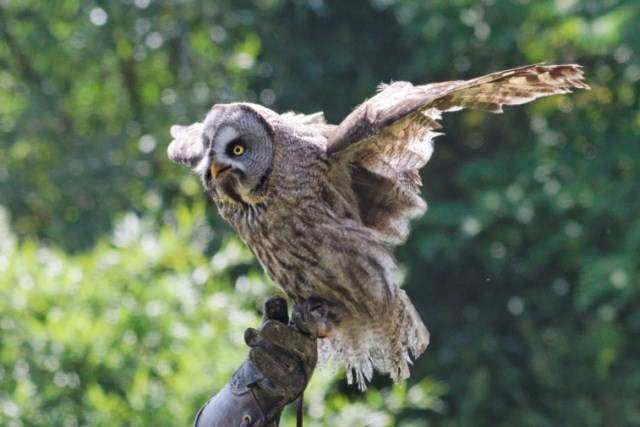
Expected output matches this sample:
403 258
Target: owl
321 205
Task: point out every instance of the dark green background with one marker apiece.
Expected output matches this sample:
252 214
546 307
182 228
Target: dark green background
123 296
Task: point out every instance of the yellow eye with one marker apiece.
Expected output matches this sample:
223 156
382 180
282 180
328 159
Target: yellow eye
237 150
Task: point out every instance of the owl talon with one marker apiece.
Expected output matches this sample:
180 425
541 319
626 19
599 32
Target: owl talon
326 315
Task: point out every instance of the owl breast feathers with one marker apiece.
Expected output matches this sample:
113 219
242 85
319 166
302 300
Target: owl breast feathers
319 204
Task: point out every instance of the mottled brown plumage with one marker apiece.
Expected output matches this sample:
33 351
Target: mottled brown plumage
319 204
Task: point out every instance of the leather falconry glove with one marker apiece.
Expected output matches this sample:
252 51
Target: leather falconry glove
278 368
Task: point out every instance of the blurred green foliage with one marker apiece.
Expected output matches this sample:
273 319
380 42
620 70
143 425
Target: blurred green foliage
123 296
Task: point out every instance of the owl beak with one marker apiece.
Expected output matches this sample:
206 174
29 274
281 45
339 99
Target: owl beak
219 170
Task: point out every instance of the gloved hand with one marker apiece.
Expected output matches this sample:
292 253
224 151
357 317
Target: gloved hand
279 367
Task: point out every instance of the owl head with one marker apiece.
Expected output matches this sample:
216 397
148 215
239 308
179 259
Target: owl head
232 151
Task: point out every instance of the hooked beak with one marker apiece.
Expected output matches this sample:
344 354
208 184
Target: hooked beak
219 170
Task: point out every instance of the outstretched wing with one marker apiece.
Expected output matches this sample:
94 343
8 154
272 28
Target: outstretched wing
387 139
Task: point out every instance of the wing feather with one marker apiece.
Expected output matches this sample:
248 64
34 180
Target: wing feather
388 138
187 147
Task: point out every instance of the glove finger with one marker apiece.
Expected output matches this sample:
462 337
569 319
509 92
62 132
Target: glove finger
254 338
274 356
283 371
303 321
275 335
275 308
288 340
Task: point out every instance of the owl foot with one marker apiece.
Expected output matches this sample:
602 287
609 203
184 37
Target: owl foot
327 315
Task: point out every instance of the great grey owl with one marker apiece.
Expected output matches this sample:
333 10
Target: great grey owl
320 205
